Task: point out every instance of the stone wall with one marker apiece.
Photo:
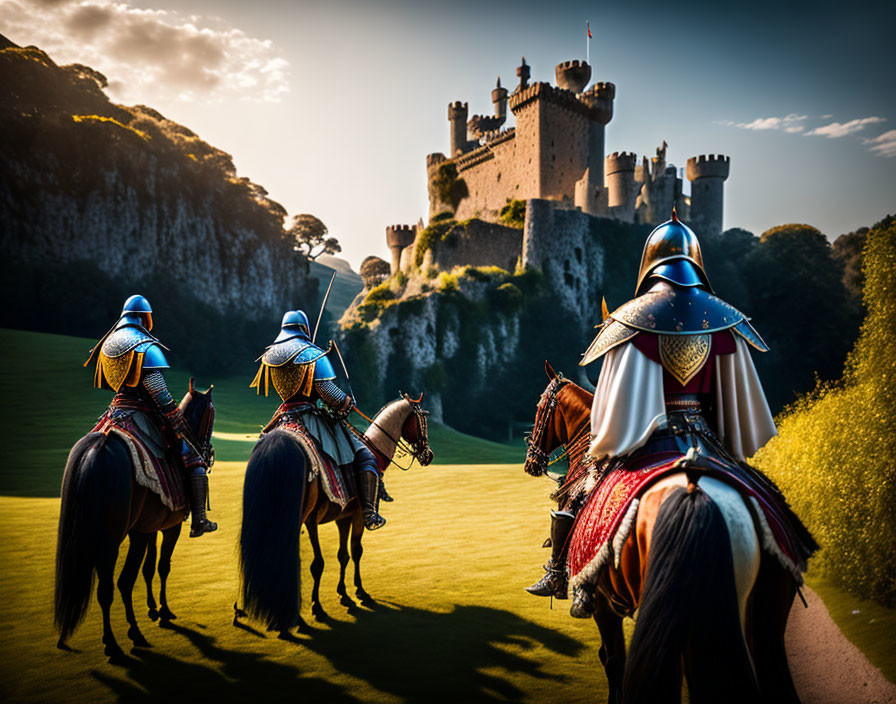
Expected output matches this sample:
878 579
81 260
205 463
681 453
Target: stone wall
479 243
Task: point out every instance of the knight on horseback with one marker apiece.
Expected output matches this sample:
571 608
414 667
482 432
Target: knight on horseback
302 375
677 379
130 361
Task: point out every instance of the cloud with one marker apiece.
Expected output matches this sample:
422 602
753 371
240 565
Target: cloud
789 123
836 130
151 55
885 145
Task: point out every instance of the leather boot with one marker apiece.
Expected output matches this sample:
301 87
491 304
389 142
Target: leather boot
384 495
198 496
368 484
555 578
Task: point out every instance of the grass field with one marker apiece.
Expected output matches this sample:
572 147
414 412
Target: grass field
452 622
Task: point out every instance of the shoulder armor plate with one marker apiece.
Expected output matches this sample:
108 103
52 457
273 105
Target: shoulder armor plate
684 355
678 310
612 333
748 332
280 353
124 340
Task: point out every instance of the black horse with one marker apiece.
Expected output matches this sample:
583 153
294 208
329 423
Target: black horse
101 504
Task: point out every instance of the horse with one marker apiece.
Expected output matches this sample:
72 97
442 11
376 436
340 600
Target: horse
280 493
710 604
101 504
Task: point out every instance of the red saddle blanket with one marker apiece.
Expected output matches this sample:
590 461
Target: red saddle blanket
155 467
606 520
338 484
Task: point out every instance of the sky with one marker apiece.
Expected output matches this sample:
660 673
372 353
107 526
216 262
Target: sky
332 106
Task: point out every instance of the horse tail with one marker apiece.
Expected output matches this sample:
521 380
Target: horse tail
92 475
689 611
273 495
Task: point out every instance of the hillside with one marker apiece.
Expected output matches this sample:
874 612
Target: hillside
100 200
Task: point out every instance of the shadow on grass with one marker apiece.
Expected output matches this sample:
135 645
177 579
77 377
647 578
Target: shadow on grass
413 654
426 656
242 677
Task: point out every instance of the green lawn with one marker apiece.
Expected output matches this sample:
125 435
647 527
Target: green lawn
452 623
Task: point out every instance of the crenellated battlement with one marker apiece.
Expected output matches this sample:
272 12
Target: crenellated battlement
573 75
621 161
400 235
435 159
708 166
457 109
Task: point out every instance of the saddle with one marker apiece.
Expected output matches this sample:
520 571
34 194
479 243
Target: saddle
338 482
157 464
605 522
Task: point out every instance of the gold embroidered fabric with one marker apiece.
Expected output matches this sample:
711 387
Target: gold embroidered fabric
684 355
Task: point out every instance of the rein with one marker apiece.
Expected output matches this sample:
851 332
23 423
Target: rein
400 443
576 444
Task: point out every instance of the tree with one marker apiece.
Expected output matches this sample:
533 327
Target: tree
310 234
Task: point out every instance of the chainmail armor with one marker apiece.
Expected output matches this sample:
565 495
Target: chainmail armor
154 383
330 394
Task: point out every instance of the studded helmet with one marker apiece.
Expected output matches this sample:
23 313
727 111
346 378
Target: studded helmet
672 252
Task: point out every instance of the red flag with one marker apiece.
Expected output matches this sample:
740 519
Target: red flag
588 26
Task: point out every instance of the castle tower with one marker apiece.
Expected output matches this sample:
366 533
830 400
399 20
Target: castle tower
499 99
707 173
573 75
523 72
599 99
457 118
397 238
621 185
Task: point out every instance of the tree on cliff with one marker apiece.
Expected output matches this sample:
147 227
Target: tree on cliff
310 234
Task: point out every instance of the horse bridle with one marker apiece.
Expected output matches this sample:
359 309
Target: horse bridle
536 456
206 424
407 448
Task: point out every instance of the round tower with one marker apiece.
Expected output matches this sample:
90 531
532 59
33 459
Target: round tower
621 185
397 238
573 75
599 99
457 118
499 99
523 72
707 174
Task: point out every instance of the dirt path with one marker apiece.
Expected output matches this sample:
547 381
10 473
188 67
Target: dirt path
826 667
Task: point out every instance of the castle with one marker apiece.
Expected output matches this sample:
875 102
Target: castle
556 152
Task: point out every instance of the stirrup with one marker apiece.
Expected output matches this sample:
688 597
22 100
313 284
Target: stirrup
202 527
553 583
373 521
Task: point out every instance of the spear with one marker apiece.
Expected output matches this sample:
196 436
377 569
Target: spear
322 306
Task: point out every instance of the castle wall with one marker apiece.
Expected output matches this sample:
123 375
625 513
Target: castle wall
558 242
564 137
479 243
503 169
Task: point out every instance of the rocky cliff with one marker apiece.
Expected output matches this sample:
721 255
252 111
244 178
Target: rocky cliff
109 197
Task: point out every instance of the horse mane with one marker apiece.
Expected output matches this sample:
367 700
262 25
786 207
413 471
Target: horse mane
387 423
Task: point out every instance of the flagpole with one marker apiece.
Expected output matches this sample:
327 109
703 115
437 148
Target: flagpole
587 41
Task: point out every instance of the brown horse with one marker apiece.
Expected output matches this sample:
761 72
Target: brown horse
101 504
280 494
709 606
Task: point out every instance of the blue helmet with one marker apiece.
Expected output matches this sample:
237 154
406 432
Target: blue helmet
136 311
672 252
294 323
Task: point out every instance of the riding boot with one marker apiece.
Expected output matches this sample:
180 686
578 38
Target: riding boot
554 581
198 496
384 495
368 483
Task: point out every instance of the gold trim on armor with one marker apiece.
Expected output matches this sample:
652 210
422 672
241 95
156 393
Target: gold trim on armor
287 379
123 370
684 355
611 334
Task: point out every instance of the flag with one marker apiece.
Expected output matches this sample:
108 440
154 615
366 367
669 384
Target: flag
588 27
